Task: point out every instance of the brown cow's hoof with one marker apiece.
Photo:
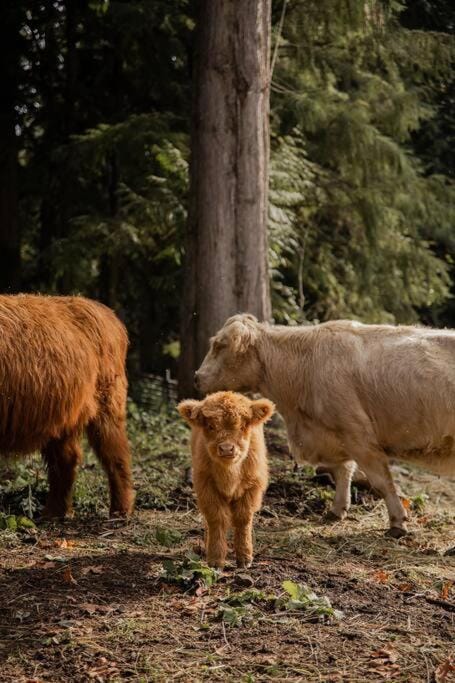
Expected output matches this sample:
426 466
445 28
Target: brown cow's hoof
396 532
123 507
244 564
50 514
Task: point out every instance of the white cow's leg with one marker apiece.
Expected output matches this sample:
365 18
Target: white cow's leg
374 463
342 474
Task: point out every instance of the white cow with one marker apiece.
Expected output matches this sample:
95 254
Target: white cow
349 393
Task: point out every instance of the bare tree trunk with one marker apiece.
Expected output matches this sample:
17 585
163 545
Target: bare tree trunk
226 248
10 260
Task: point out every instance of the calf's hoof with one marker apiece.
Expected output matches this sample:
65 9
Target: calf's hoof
396 532
216 564
244 562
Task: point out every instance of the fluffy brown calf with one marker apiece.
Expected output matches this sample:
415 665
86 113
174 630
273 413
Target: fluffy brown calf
62 371
230 472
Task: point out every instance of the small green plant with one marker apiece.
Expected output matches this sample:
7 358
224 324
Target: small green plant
168 537
15 522
238 608
299 597
249 596
419 502
191 573
234 616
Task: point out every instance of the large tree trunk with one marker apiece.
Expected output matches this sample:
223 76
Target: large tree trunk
226 248
10 261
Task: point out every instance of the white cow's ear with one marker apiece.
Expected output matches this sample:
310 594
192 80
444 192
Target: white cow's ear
261 411
190 410
241 336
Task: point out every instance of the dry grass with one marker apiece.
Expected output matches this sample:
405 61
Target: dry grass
86 601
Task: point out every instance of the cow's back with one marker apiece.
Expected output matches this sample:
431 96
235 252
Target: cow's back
402 378
58 356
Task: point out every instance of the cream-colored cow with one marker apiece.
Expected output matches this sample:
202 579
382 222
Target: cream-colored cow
349 394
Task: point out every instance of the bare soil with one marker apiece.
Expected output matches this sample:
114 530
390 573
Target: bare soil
87 601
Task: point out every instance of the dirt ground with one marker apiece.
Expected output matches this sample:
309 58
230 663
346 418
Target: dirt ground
87 600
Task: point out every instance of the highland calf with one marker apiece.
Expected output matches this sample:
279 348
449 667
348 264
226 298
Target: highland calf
350 394
230 472
62 371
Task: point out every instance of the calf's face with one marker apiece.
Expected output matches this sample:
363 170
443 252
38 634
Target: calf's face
226 420
232 361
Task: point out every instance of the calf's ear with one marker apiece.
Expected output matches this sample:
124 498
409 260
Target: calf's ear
261 411
190 410
241 336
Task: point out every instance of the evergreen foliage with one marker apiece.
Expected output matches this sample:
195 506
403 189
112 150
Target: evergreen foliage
362 184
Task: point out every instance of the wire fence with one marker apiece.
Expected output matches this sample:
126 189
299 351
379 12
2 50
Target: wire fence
153 392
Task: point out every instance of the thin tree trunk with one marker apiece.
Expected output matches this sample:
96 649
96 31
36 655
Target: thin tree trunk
226 268
10 260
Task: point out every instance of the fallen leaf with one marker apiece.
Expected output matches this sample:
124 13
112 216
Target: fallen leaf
381 576
386 653
423 520
64 543
92 569
91 608
444 669
445 590
405 587
68 577
406 503
39 564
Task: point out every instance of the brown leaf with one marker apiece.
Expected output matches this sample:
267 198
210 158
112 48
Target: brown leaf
387 654
68 577
406 503
39 564
381 576
445 590
405 587
424 519
91 608
444 669
92 569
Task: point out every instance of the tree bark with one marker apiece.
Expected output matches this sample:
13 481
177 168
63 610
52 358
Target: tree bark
226 269
10 45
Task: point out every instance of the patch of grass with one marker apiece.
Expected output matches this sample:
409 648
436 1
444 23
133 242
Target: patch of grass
159 444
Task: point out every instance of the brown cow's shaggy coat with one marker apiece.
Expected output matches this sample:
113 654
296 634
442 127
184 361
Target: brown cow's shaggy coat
230 471
62 370
348 392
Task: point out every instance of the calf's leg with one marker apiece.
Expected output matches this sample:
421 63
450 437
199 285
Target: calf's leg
62 456
242 520
216 544
107 436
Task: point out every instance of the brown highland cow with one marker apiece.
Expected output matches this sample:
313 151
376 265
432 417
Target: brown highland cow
62 371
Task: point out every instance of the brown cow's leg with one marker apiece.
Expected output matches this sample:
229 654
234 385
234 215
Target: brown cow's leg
62 456
108 439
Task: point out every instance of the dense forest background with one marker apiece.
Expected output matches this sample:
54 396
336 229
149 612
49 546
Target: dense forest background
94 148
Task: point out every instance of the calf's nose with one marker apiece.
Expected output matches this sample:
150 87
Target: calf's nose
226 448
